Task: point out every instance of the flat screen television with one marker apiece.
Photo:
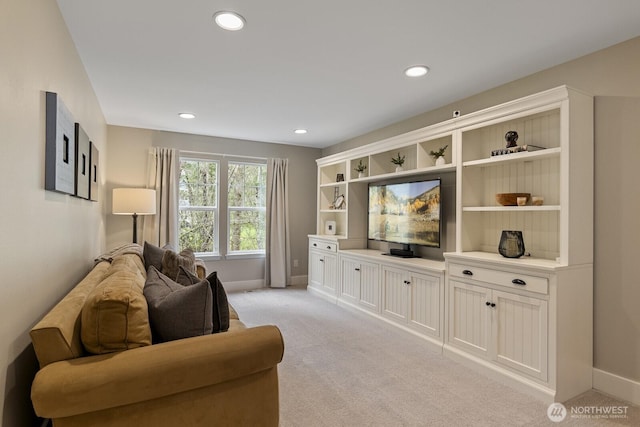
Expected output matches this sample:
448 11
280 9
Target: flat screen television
405 212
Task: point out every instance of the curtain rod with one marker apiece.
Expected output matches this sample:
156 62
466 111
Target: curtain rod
223 155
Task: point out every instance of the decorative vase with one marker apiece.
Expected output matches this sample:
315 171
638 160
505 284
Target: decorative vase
440 161
511 244
399 169
360 174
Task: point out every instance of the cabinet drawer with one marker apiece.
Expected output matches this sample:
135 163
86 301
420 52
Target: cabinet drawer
502 278
323 245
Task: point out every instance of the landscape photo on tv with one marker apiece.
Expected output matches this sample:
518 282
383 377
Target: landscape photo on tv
407 213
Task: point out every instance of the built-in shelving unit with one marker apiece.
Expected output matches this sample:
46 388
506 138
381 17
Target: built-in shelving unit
527 321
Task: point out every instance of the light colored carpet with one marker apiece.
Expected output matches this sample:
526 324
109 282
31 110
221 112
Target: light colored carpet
343 368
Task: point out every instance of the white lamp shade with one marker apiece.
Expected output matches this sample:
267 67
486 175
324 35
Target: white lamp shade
129 201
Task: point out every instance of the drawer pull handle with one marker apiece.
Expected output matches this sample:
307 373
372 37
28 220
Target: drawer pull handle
519 282
467 272
315 245
493 304
487 303
328 247
321 260
357 269
406 282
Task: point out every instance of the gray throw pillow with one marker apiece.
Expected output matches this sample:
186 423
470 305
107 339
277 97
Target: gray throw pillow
177 311
221 315
152 256
220 304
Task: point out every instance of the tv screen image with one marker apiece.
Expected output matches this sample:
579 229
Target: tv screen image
407 213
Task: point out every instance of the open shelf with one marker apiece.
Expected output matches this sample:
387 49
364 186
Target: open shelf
515 157
544 208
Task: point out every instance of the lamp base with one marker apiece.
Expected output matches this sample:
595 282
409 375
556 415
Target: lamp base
135 228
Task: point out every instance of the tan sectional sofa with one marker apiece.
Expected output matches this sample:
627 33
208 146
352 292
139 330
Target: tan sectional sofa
225 379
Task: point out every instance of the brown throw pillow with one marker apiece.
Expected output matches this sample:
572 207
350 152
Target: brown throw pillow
177 311
171 263
220 303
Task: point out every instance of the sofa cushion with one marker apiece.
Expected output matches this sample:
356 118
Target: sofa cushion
177 311
57 336
220 305
114 316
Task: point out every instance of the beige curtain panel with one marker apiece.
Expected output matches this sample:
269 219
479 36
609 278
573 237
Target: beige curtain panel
162 228
277 263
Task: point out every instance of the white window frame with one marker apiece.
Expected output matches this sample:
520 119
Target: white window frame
260 253
222 222
215 254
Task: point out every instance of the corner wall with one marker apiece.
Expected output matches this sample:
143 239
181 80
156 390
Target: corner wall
48 239
612 75
128 152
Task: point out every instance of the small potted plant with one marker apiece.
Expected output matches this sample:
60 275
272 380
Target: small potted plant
398 161
361 168
439 155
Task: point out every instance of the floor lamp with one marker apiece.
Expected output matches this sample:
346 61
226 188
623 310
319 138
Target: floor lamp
134 202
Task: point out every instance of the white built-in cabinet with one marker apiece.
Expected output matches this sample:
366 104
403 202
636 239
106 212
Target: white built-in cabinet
323 266
412 299
526 321
491 316
360 282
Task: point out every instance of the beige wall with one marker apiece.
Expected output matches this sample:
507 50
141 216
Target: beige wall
48 239
607 74
128 148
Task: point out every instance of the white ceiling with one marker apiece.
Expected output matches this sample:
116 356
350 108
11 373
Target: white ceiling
334 67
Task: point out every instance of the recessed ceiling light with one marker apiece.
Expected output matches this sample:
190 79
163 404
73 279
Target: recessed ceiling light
300 131
187 116
416 71
229 20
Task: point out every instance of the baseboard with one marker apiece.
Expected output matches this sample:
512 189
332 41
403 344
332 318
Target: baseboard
245 285
299 280
252 285
616 386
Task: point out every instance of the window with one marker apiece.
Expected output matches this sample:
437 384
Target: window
198 206
210 186
246 203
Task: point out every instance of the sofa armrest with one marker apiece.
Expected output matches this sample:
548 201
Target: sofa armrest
94 383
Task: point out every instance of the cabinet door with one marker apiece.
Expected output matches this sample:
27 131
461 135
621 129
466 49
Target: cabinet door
370 286
424 314
520 333
316 269
469 317
350 283
395 292
330 273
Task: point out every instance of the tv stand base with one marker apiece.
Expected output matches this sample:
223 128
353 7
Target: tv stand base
404 253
